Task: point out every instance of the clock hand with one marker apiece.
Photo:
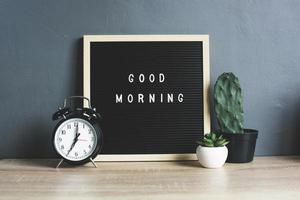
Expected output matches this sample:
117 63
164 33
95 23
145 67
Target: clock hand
74 142
72 146
77 134
76 131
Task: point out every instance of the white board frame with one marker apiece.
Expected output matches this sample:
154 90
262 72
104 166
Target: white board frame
87 39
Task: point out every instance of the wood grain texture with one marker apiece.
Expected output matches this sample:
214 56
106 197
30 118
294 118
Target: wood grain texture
265 178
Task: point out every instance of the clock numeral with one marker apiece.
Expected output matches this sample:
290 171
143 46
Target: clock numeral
90 146
76 154
68 126
60 139
83 125
62 147
90 131
84 151
63 132
75 124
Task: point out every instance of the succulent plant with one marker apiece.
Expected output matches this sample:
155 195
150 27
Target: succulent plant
229 104
212 140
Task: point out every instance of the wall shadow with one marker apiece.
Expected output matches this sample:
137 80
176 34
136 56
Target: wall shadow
290 129
77 63
35 140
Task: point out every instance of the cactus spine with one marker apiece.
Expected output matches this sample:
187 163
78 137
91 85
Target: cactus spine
229 103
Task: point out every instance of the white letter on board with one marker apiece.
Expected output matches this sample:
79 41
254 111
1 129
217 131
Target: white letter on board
170 98
140 98
130 98
151 98
130 78
161 77
142 78
151 78
118 98
180 97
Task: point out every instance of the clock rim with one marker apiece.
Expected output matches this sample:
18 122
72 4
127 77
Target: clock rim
99 140
56 135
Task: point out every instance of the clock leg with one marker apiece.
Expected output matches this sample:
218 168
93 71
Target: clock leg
61 160
95 165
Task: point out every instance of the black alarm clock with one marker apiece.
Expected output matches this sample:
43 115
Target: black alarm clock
77 138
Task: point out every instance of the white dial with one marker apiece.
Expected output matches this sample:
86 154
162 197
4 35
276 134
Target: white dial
75 139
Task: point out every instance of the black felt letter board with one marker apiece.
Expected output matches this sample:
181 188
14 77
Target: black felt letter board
150 95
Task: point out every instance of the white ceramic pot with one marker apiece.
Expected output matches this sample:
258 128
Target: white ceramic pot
212 157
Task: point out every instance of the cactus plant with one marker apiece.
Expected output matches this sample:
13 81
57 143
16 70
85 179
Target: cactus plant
212 140
229 104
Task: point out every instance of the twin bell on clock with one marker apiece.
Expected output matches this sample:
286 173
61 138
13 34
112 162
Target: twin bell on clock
77 137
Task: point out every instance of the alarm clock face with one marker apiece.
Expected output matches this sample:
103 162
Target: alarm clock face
75 139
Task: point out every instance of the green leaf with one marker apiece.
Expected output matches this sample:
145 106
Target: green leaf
220 137
222 142
208 136
213 136
208 144
207 140
212 140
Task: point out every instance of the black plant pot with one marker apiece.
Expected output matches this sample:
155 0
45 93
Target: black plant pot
241 146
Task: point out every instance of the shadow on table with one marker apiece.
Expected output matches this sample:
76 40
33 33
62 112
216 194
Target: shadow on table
188 163
39 162
49 163
186 160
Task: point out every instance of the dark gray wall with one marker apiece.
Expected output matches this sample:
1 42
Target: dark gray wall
41 59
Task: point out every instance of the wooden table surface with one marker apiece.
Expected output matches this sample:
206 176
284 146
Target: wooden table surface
264 178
